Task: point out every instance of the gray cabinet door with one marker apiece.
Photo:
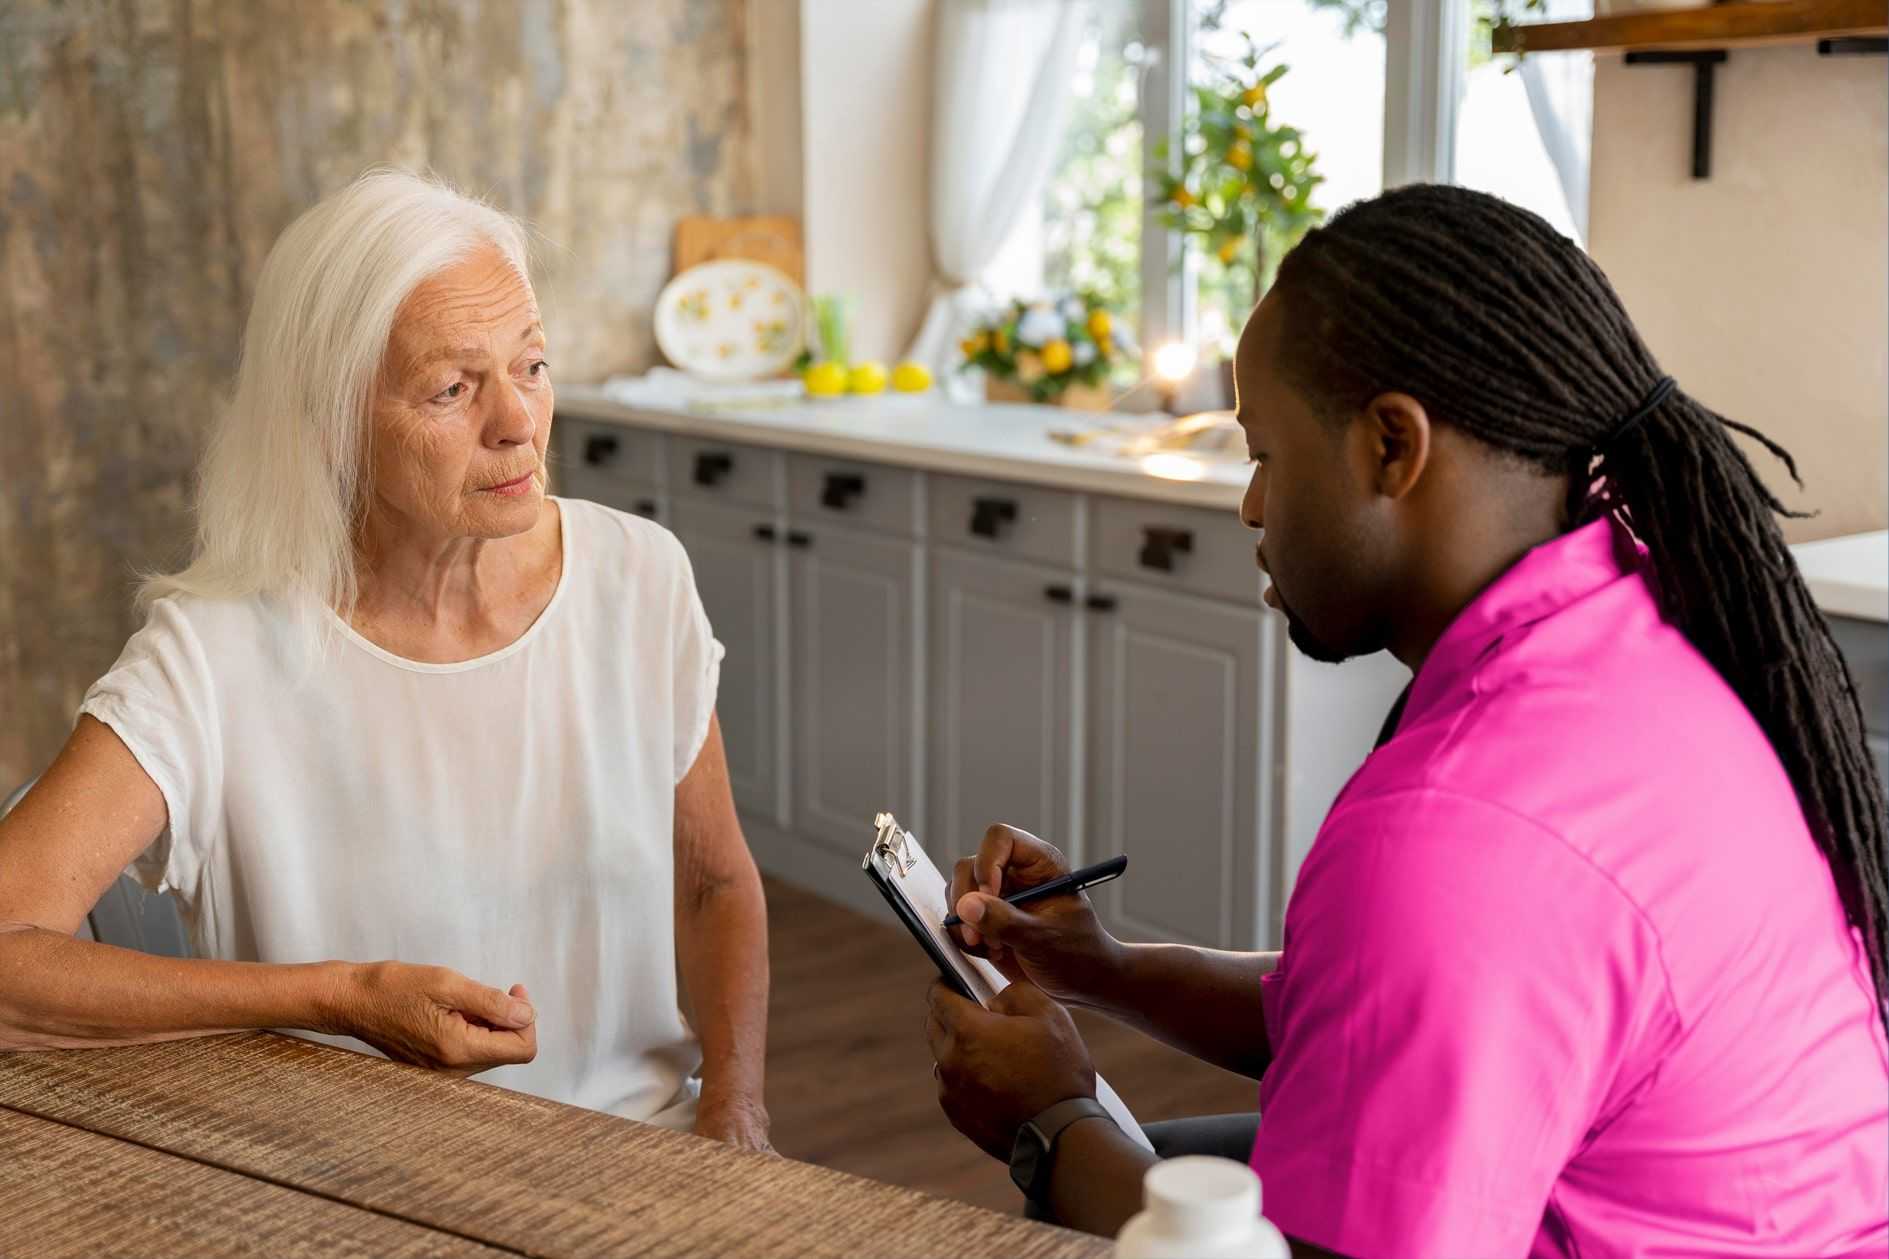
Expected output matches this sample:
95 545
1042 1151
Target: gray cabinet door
853 628
1177 695
1001 725
739 576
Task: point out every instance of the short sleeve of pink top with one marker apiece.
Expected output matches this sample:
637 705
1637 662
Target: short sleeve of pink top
1564 971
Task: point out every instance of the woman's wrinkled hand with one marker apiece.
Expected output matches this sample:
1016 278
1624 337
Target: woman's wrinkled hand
738 1121
432 1016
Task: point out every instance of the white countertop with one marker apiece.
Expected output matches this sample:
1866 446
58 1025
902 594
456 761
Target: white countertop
1004 440
1847 576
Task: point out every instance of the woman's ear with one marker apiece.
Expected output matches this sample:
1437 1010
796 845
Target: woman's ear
1397 430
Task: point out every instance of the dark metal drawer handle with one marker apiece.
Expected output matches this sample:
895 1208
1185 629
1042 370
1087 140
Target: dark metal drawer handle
988 514
841 488
1059 594
711 469
1101 603
766 533
1160 544
645 507
599 450
799 539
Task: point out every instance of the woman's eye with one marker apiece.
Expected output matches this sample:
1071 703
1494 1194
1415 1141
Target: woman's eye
539 368
451 393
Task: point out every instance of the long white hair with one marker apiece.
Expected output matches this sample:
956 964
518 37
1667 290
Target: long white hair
283 482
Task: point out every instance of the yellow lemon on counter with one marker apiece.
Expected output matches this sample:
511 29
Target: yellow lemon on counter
911 377
825 380
1056 356
1099 325
867 377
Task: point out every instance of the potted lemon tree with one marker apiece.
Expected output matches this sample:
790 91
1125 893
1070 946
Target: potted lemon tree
1242 185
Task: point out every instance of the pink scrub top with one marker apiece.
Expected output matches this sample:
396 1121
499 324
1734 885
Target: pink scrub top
1564 971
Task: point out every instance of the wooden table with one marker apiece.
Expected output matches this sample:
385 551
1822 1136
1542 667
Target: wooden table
264 1144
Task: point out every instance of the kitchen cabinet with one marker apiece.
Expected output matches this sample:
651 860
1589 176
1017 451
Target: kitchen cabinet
739 574
1002 650
852 631
966 649
1179 714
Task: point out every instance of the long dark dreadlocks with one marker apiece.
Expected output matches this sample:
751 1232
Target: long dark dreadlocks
1505 328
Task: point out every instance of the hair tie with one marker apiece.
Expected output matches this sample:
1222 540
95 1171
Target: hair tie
1581 478
1656 395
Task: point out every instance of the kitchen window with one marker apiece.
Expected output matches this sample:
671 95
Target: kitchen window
1385 92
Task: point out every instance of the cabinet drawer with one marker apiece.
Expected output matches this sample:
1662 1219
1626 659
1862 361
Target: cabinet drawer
637 497
1020 521
607 452
724 470
1865 646
870 496
1182 548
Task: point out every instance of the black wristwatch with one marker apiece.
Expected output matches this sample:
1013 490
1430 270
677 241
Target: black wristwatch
1034 1151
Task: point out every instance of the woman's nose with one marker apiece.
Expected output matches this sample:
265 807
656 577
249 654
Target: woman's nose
512 422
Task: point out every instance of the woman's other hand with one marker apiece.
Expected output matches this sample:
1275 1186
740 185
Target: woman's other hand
435 1017
1058 944
738 1121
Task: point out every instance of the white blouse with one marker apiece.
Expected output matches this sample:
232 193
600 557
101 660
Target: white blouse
511 817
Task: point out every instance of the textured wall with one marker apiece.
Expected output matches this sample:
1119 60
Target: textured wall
151 151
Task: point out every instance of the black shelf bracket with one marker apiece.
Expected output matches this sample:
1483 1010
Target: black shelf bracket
1853 45
1702 63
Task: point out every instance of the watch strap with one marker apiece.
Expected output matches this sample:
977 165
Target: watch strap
1046 1129
1052 1121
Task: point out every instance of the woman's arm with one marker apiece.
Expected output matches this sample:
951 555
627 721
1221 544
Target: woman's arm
61 847
721 943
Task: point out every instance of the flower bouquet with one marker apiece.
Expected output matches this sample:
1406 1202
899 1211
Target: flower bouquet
1051 350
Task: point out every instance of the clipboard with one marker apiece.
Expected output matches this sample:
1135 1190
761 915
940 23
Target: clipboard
919 897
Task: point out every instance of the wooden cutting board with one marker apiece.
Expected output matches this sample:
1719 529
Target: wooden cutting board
772 239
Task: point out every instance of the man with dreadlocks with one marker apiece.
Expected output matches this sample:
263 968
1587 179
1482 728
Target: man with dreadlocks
1589 957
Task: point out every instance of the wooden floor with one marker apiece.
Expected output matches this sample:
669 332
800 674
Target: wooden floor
849 1077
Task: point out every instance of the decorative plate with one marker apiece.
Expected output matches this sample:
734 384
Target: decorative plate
732 320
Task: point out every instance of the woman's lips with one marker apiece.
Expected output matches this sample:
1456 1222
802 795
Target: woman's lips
511 489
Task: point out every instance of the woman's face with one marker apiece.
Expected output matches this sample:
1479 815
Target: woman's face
462 410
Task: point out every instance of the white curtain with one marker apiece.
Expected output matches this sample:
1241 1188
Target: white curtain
1000 97
1560 89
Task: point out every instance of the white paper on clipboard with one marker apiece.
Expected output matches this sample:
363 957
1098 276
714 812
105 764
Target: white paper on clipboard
897 855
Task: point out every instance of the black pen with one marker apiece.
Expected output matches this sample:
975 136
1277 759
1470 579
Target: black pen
1074 881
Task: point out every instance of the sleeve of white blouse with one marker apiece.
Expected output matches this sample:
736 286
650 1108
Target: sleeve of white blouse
698 659
159 699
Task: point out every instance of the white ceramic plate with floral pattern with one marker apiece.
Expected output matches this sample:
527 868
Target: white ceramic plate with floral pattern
732 320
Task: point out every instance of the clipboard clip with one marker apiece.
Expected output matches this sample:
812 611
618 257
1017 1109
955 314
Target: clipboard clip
890 844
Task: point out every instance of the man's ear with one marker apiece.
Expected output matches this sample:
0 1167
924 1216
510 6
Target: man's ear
1397 439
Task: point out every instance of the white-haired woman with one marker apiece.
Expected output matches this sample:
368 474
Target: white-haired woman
402 704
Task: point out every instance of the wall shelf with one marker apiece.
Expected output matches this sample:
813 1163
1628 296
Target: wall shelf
1699 38
1743 23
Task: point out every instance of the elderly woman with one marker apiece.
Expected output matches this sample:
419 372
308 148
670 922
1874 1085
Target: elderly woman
403 704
